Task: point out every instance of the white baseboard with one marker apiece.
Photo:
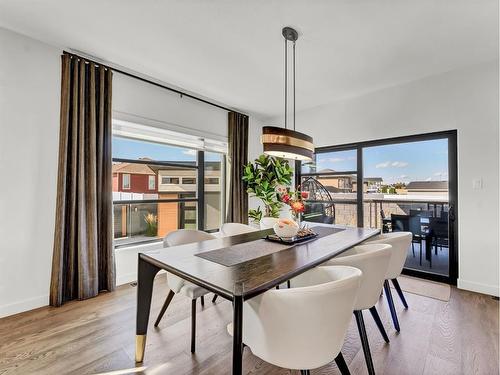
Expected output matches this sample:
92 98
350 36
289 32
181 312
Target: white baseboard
25 305
126 279
492 290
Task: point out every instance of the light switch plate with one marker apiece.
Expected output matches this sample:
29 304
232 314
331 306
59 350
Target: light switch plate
477 183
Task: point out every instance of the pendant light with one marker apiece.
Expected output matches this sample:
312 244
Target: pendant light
283 142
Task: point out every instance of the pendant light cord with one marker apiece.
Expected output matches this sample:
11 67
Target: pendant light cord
294 85
286 81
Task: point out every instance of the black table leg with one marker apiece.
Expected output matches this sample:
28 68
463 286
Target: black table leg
145 278
237 335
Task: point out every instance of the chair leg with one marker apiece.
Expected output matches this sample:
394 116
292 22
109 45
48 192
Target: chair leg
400 292
420 254
305 372
202 298
364 341
193 325
413 249
390 301
215 298
380 326
340 361
288 284
170 295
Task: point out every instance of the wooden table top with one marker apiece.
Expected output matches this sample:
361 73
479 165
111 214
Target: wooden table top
255 276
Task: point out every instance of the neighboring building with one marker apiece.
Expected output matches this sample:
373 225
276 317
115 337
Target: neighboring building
142 181
346 183
336 183
370 184
427 188
136 178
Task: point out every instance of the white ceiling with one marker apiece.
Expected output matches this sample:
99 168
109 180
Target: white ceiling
232 51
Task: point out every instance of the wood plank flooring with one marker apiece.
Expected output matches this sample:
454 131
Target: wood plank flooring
97 336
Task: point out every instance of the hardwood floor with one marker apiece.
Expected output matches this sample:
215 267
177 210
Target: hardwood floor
97 336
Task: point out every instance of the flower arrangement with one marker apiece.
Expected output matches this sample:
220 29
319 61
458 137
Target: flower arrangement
294 199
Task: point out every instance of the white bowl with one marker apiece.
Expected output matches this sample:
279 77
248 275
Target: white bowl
286 228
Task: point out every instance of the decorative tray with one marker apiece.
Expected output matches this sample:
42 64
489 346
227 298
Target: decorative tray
300 237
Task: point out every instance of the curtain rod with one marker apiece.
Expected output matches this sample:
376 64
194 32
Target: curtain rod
154 83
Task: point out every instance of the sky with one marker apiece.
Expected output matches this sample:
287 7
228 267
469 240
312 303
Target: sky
403 162
125 148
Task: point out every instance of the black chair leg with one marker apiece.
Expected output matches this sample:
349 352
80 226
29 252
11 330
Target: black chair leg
340 361
420 261
202 298
170 295
193 325
413 249
364 341
380 326
288 284
305 372
214 298
400 292
392 308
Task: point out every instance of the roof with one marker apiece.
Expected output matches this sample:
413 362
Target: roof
428 185
132 168
373 179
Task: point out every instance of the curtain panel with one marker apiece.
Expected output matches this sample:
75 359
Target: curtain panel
83 263
237 197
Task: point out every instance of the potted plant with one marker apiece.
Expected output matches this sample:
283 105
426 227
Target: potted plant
263 177
151 224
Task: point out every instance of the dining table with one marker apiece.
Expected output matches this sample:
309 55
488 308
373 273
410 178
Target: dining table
239 268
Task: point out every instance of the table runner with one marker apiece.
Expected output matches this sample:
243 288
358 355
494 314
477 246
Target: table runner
243 252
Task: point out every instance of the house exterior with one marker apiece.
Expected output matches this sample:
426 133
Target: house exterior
428 188
136 182
346 183
136 178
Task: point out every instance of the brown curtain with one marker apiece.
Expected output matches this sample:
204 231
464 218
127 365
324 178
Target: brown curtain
237 197
82 263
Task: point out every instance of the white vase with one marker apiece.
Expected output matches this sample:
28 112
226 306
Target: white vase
268 222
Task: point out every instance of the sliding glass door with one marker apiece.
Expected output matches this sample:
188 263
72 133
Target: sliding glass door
399 184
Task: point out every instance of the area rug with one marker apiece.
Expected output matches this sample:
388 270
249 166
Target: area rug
425 288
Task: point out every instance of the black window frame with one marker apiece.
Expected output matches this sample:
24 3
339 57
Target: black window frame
451 136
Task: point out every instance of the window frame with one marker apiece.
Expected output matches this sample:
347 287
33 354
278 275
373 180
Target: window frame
153 179
128 187
451 136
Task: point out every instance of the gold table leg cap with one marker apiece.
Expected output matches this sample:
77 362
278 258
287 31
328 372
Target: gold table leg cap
140 346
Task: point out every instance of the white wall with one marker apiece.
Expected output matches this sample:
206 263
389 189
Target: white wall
135 100
29 131
466 100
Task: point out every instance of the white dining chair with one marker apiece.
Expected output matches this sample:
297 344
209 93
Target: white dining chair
303 327
400 242
373 261
232 229
181 286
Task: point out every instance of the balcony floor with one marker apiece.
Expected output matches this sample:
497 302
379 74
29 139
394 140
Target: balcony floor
440 261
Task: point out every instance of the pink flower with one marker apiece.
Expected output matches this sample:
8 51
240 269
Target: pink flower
285 198
304 194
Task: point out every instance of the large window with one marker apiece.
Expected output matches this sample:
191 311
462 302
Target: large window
144 210
401 184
